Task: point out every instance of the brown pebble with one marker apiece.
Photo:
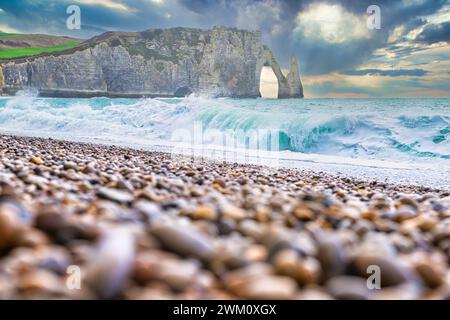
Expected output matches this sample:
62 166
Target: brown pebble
32 238
313 294
348 288
304 270
142 225
70 165
257 282
183 240
36 160
256 253
115 195
232 212
178 274
221 182
40 284
204 212
432 277
266 288
391 272
432 268
332 258
13 219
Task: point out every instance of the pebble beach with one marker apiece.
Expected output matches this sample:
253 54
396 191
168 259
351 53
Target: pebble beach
86 221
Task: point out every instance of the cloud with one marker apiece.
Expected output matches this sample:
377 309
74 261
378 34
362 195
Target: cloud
331 23
341 88
7 29
260 16
328 36
331 37
97 16
110 4
435 33
339 85
387 73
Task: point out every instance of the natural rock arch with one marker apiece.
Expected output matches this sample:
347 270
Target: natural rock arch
289 86
220 62
268 85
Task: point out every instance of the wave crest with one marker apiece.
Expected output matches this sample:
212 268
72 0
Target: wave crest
402 129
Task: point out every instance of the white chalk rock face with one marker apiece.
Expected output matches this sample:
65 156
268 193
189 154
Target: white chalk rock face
219 62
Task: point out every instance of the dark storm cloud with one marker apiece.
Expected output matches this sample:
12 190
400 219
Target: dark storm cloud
40 16
388 73
320 57
201 6
435 33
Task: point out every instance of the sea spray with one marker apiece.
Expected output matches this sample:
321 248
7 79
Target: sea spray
402 130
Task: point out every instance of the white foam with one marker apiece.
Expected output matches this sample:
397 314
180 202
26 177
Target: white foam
347 136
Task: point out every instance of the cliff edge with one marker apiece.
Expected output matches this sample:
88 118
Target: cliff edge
220 62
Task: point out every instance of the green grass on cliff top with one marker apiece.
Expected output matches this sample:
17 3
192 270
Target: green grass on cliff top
3 34
28 52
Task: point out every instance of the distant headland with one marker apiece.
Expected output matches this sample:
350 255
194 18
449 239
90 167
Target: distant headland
220 62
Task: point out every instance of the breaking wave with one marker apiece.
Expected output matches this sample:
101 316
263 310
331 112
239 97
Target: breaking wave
384 129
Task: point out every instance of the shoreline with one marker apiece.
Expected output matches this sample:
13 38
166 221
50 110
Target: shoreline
302 166
148 225
364 170
79 94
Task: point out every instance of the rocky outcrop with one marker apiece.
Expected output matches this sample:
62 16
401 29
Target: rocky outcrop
172 62
293 80
1 80
289 86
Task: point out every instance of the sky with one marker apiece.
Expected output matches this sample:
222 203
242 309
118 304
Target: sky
339 56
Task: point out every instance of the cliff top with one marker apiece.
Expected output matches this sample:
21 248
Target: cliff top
115 38
14 45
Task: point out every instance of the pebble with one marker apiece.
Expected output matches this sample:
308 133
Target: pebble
70 165
183 241
31 238
306 270
57 226
431 267
314 294
257 283
348 288
205 212
113 263
178 274
232 212
432 277
141 225
332 258
115 195
36 160
40 283
391 273
150 210
13 220
268 288
256 253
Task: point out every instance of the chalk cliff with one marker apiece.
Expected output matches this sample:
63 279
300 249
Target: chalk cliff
220 62
1 80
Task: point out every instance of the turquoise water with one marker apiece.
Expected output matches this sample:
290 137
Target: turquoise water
402 130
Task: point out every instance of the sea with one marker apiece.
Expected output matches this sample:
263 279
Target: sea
394 140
